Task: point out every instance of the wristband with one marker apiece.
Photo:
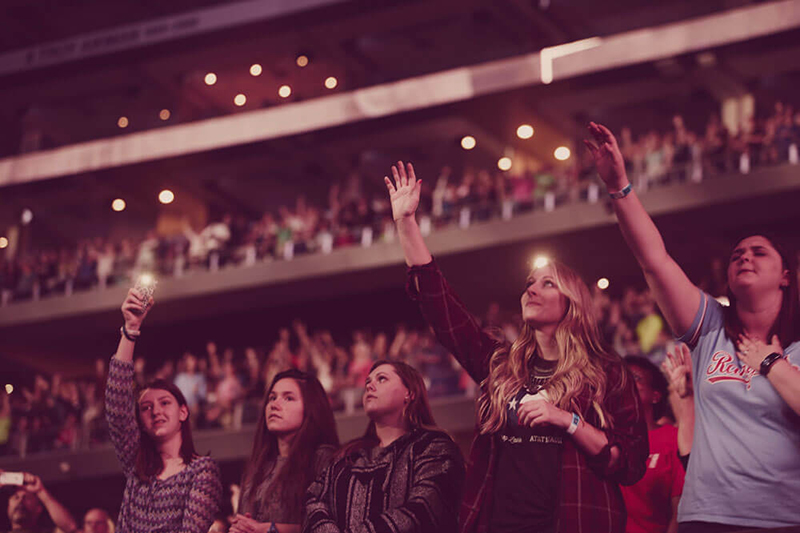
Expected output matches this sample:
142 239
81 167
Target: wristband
573 426
626 190
130 335
767 363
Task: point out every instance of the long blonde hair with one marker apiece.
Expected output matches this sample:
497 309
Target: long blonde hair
583 357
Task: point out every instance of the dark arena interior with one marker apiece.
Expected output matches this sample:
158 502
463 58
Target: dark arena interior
228 157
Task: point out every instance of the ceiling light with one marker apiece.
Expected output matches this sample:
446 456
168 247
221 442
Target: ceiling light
166 196
525 131
562 153
504 163
540 261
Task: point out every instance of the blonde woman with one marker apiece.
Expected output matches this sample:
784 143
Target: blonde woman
560 423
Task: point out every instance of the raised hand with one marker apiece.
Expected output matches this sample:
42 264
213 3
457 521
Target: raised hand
404 192
607 157
134 310
678 370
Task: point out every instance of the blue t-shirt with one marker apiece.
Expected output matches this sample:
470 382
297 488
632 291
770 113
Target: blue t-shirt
744 468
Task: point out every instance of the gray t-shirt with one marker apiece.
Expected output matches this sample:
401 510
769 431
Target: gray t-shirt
265 503
744 468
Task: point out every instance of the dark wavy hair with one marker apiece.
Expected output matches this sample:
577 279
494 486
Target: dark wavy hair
318 429
417 413
787 325
657 382
148 461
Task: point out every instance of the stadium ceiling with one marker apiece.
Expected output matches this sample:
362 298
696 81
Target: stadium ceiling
363 44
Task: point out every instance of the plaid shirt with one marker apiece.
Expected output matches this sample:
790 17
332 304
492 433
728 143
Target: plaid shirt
589 496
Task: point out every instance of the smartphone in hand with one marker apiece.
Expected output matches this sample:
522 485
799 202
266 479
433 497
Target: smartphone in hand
146 286
12 478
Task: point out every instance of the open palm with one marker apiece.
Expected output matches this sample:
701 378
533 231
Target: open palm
678 370
404 192
607 157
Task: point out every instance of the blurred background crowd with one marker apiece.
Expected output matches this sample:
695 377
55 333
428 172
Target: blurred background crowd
224 385
358 215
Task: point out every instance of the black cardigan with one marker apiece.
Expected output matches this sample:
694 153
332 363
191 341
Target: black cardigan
413 485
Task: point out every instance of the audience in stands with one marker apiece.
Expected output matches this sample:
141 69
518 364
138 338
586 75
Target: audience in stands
224 389
58 413
353 217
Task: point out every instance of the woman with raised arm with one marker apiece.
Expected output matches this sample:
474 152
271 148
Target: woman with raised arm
560 424
294 443
402 476
168 486
744 469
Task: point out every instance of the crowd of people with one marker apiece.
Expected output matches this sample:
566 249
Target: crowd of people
576 426
356 216
224 386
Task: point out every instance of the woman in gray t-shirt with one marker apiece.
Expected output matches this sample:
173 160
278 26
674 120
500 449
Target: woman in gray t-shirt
296 424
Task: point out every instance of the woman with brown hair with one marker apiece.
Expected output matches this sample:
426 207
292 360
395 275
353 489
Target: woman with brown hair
560 425
744 469
294 442
403 475
169 487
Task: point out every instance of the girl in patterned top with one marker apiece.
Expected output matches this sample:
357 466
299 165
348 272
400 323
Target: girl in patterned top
169 488
402 476
294 443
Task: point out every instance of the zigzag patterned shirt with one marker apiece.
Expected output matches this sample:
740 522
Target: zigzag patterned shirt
186 502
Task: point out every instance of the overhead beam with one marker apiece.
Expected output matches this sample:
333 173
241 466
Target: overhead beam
148 33
411 94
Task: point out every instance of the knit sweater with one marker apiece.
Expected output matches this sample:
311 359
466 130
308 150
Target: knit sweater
186 502
411 486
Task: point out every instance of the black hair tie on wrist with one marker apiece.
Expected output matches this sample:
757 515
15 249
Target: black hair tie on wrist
127 334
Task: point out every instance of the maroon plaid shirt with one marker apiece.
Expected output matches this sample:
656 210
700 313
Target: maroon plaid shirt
589 497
